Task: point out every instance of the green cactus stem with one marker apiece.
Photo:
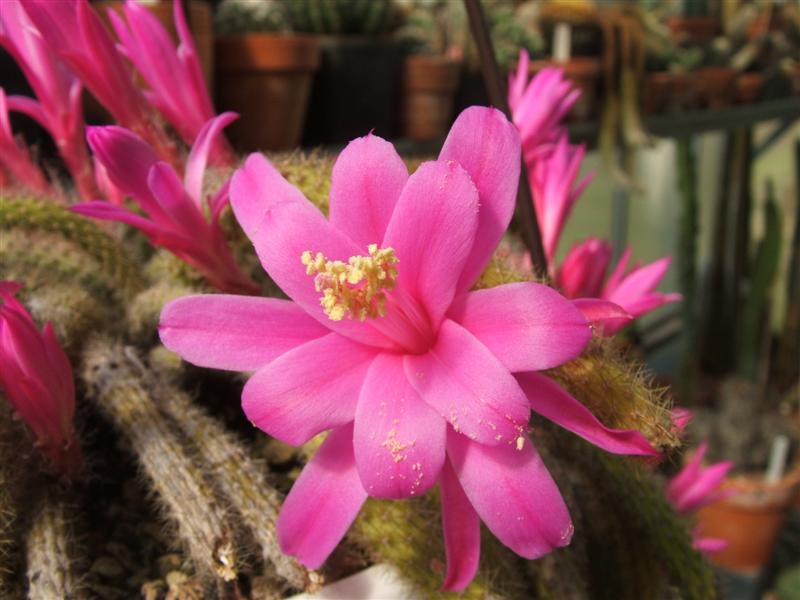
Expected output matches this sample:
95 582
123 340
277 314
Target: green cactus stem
35 215
407 535
117 383
619 392
240 479
755 305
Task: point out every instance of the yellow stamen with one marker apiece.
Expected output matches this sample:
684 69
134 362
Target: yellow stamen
356 288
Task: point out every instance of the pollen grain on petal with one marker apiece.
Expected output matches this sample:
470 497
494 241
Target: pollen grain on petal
357 288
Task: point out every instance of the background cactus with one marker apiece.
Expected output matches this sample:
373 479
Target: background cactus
342 17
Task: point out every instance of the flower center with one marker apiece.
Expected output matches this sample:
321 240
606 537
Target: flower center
356 288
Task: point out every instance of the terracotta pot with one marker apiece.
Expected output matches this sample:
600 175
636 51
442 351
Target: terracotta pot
585 73
684 91
266 78
198 16
694 30
748 87
657 92
716 86
429 86
750 520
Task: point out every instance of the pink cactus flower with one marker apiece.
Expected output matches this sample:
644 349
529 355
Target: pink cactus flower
420 380
539 106
15 160
174 76
175 210
36 377
555 189
59 108
696 486
74 31
582 275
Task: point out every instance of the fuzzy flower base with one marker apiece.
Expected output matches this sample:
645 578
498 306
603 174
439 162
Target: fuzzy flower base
628 541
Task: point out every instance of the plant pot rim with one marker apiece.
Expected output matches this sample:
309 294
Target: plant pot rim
585 66
433 59
752 492
260 51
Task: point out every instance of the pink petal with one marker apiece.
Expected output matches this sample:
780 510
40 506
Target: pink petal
112 212
432 230
469 387
9 288
127 160
583 269
518 80
366 182
61 380
282 224
190 59
201 149
602 315
513 493
181 214
462 533
527 326
399 440
651 302
487 145
549 400
323 502
680 419
308 389
709 545
634 291
33 109
702 490
678 485
238 333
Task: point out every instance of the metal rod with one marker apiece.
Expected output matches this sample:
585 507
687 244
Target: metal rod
526 215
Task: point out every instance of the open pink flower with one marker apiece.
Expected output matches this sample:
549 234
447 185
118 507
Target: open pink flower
419 379
15 160
174 76
176 210
59 108
77 35
696 486
582 274
37 379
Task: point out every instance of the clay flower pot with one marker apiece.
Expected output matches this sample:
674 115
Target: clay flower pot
748 87
716 86
750 520
585 73
266 78
657 92
694 30
429 86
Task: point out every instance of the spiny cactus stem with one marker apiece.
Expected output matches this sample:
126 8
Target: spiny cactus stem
52 569
240 478
406 535
189 499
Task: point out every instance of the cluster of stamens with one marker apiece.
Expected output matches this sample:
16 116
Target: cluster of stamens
356 288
